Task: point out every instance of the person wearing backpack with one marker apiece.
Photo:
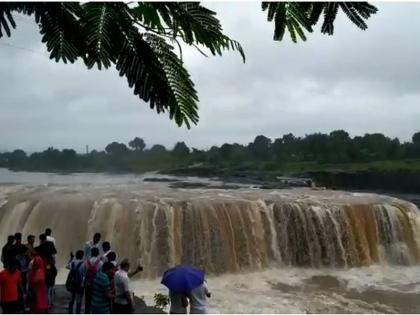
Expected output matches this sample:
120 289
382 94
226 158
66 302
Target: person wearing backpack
74 282
90 268
19 251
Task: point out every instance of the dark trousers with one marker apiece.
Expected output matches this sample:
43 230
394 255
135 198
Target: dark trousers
10 307
21 301
121 309
76 297
88 298
24 275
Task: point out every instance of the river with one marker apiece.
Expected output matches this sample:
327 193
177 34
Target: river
273 251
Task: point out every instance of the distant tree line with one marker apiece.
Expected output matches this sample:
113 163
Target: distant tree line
335 147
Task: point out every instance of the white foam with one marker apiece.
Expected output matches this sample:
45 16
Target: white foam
254 292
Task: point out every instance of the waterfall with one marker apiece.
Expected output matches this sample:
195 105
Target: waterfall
220 233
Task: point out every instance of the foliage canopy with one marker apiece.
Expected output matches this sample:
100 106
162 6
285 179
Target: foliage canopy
142 39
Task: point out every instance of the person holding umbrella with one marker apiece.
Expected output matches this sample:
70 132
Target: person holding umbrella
186 281
178 303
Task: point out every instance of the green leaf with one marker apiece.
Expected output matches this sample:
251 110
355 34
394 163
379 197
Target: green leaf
298 29
183 96
293 16
38 9
103 25
196 24
158 77
148 15
6 18
61 31
298 17
353 15
291 30
315 12
330 13
279 22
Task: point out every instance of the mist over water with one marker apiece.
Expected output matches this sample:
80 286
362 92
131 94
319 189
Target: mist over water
296 250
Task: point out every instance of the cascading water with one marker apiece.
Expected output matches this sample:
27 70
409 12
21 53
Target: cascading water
287 251
227 232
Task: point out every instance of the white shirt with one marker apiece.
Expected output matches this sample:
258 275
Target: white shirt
122 285
88 246
198 299
51 239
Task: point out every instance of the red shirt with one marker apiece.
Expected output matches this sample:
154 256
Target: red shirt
9 286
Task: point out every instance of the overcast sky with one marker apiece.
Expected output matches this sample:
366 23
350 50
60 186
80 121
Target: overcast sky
357 81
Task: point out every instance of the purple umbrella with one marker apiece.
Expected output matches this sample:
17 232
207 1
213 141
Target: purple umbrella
182 279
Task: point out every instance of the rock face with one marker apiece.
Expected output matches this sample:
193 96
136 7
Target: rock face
62 299
257 179
201 171
404 181
160 180
193 185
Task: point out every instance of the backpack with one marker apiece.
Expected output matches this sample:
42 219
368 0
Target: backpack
91 270
74 280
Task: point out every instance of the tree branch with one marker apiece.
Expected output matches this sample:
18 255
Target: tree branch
179 47
200 51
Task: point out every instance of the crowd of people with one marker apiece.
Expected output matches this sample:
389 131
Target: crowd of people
27 283
95 276
28 279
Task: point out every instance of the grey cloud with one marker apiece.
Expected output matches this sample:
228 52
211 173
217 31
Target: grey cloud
354 80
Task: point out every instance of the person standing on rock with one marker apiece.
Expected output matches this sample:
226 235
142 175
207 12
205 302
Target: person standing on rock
198 299
19 251
94 243
7 251
50 238
112 258
29 255
74 281
46 249
101 291
90 268
178 303
106 249
30 252
124 299
37 289
10 285
50 275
